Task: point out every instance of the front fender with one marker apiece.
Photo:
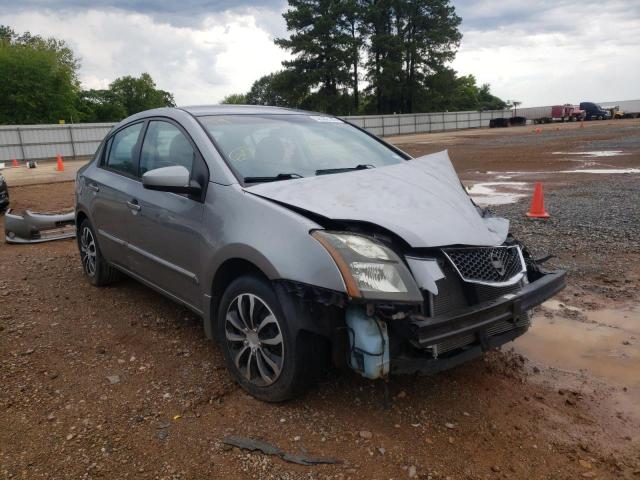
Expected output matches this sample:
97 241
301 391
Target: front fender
272 237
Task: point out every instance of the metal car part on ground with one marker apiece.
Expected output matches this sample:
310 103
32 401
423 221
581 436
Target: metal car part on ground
33 227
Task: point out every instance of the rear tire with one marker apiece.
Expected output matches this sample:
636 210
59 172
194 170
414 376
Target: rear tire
95 267
264 352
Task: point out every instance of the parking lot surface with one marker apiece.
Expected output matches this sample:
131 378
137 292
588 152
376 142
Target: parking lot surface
121 383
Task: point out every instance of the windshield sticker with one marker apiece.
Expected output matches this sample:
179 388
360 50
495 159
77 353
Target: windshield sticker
318 118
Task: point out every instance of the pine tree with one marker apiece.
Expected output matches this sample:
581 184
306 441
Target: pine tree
408 40
325 46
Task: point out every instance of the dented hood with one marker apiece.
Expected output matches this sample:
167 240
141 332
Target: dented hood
420 200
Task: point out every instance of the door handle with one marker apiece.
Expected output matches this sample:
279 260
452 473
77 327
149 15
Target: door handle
93 187
134 205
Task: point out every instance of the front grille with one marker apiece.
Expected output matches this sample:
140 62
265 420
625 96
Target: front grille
454 294
486 293
450 297
456 343
502 326
492 265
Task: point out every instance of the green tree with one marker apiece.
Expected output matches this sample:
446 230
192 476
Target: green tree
408 40
138 94
488 101
383 48
38 79
101 106
39 84
445 91
279 89
235 99
324 43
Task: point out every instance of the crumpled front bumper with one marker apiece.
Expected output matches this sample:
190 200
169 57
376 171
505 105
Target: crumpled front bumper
478 323
33 227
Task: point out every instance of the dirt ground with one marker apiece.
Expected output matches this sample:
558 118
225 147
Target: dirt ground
121 383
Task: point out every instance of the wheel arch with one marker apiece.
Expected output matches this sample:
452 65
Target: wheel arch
81 216
225 273
312 315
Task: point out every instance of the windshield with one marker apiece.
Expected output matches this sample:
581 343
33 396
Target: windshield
259 147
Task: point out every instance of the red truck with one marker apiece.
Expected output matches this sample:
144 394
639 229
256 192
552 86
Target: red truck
562 113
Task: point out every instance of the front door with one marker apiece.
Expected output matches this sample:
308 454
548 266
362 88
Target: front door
165 235
110 185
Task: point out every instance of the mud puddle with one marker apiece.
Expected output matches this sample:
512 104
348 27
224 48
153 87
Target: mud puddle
595 154
603 343
497 193
608 171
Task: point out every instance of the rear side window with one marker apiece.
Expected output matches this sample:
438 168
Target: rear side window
165 146
123 148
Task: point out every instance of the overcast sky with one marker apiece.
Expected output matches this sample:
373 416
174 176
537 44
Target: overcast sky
541 53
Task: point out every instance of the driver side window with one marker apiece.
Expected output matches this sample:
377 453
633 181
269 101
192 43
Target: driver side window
121 149
165 146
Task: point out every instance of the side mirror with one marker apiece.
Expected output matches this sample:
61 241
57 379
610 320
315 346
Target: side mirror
173 179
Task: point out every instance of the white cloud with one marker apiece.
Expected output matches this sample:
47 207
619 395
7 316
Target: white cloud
541 53
200 65
566 52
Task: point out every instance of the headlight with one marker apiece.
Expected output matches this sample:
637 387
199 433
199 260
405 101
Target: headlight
370 269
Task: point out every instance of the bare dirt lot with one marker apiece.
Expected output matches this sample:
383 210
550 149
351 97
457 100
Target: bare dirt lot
121 383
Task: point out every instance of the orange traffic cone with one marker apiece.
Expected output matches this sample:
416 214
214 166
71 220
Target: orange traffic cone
537 204
14 163
60 164
538 130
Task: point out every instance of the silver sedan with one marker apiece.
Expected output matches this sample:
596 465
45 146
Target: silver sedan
302 240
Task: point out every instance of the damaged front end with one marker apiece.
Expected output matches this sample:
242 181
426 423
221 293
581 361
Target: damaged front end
444 306
431 280
33 227
483 300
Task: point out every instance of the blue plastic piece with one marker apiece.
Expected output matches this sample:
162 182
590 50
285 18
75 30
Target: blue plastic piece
369 342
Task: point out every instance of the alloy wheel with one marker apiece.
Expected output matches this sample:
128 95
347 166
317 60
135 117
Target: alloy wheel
88 251
254 339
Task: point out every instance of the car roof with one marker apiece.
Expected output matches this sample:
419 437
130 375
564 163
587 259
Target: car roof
205 110
202 110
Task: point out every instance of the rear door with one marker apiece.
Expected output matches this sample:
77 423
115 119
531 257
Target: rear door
165 234
111 184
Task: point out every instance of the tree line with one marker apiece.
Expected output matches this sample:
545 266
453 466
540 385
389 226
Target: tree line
39 84
347 57
370 56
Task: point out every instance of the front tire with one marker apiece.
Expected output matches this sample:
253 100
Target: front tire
263 351
95 267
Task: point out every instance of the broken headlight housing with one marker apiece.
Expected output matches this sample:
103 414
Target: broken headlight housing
370 270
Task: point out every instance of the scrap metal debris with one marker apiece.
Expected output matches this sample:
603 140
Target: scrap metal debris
269 449
33 227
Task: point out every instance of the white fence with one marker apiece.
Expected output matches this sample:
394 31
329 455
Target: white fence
386 125
26 142
81 140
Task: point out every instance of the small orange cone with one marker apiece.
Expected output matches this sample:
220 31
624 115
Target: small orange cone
60 164
537 204
538 130
14 163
